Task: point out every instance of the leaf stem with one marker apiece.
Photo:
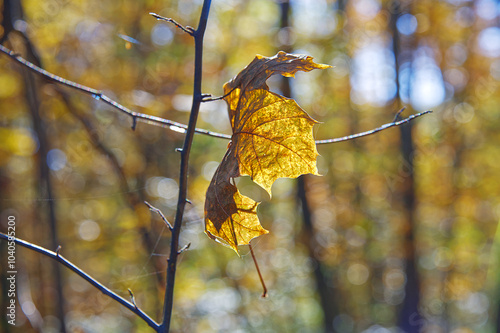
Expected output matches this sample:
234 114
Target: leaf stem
209 98
264 291
183 178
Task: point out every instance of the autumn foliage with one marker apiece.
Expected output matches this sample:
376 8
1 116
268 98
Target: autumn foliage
272 138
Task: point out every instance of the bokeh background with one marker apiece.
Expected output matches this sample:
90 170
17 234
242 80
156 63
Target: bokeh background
398 235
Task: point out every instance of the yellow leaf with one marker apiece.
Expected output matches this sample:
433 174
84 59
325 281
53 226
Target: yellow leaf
272 135
272 138
254 76
230 218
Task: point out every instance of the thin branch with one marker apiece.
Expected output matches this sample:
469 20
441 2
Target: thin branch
396 117
189 30
98 95
173 125
373 131
184 248
159 212
59 258
132 298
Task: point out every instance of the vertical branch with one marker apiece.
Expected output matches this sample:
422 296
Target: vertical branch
183 178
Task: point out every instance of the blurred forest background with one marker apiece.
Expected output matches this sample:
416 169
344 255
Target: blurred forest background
398 235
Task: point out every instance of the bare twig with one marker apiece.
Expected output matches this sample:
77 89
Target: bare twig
173 125
373 131
132 297
159 212
98 95
396 117
189 30
58 257
184 248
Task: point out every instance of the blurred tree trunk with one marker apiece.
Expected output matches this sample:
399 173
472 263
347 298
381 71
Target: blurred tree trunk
13 12
410 320
325 290
45 188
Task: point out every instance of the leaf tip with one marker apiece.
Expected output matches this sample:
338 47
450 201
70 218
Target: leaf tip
222 241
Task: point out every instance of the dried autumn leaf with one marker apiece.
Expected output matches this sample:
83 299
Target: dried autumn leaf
230 218
272 135
254 75
272 138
